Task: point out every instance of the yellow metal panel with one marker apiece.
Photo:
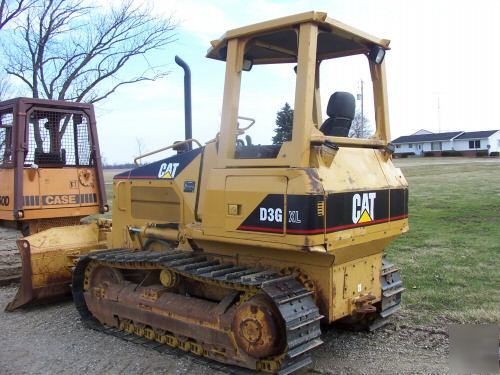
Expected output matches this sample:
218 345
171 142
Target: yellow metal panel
160 204
209 162
56 184
229 120
6 193
248 191
59 192
393 175
359 278
304 95
31 188
87 187
353 169
383 131
60 212
352 280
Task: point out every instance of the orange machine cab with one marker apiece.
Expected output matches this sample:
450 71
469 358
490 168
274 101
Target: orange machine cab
50 165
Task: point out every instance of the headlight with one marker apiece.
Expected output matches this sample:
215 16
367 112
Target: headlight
376 54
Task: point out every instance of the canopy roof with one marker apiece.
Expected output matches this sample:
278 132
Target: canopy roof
276 41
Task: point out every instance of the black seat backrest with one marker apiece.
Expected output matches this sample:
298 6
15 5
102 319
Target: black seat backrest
47 159
340 111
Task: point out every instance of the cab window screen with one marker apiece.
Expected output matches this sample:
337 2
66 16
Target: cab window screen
6 122
58 139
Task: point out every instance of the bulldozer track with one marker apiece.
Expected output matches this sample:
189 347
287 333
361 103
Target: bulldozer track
164 349
392 288
294 302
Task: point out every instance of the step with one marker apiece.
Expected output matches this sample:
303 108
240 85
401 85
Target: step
182 262
304 348
239 274
199 265
305 322
223 273
208 270
295 297
387 312
391 293
294 366
392 285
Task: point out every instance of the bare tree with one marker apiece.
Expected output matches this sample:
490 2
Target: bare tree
360 127
60 52
10 9
5 87
71 50
140 146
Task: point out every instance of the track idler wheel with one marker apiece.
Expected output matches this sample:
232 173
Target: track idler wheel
168 278
102 276
259 328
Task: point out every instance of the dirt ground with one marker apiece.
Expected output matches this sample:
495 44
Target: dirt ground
52 340
10 261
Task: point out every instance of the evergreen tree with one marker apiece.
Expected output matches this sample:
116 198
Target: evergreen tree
284 125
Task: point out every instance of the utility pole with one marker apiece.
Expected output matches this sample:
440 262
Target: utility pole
360 97
362 112
439 114
438 97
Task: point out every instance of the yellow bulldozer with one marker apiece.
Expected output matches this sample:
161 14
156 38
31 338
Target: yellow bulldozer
50 170
236 251
50 166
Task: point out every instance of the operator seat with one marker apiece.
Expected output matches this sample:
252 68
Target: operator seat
340 111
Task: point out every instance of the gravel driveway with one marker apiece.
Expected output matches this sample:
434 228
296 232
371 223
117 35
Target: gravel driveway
52 340
10 261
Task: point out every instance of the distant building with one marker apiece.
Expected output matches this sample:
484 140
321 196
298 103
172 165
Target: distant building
466 143
422 131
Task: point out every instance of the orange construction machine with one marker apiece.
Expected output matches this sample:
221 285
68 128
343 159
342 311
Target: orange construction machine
50 166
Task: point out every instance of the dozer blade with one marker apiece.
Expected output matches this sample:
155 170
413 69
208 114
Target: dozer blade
47 260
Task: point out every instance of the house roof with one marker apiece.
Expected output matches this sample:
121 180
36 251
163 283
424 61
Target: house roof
422 131
426 137
476 135
434 137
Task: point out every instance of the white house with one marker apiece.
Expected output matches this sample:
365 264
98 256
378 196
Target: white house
475 143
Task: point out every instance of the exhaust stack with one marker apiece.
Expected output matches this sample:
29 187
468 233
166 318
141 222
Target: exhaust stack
188 124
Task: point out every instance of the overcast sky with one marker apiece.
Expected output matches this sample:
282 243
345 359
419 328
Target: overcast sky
441 51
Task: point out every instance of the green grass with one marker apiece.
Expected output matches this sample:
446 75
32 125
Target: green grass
450 258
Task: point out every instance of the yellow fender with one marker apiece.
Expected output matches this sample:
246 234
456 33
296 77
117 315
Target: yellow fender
48 258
